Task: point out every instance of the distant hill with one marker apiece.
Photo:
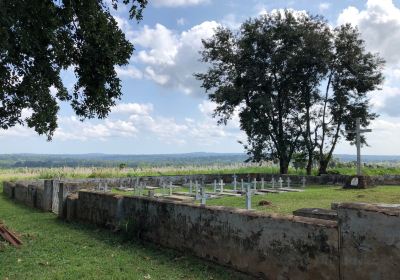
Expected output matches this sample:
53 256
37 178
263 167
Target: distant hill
111 160
368 158
114 160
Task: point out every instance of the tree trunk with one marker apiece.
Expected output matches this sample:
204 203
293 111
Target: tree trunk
309 163
283 166
323 166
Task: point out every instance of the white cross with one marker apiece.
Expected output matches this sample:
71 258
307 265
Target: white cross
221 186
280 182
248 197
203 195
358 132
234 182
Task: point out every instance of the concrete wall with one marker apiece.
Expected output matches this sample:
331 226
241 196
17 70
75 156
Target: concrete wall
363 244
370 240
268 246
9 189
31 193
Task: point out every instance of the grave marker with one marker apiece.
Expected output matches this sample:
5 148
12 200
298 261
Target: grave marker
358 133
234 182
196 187
221 186
203 195
248 197
280 182
303 181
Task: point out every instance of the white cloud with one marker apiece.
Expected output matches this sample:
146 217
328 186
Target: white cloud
172 58
134 120
160 79
130 72
324 6
133 108
379 25
178 3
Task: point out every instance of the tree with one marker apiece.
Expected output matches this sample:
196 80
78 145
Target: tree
40 38
353 73
269 72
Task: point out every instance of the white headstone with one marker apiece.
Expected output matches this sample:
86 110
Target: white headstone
354 182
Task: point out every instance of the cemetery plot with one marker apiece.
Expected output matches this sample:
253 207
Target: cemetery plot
196 191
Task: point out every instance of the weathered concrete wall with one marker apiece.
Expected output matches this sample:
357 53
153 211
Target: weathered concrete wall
370 241
363 244
47 195
65 189
21 193
30 193
269 246
9 189
103 209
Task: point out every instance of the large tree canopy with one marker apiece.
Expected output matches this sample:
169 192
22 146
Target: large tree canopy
40 38
272 71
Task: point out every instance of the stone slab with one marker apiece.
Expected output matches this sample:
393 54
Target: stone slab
318 213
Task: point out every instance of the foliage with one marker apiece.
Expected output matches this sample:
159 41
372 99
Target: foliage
271 72
352 74
40 39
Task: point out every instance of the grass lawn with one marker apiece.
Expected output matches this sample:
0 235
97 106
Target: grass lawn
54 249
314 196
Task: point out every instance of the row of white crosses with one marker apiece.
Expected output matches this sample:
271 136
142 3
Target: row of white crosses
280 181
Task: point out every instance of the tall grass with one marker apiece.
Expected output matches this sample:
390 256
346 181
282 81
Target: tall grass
109 172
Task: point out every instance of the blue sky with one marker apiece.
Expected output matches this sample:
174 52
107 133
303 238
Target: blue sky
163 109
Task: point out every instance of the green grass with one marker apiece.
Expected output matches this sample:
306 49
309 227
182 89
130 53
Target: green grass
314 196
54 249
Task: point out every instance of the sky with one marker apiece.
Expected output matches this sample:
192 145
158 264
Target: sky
164 109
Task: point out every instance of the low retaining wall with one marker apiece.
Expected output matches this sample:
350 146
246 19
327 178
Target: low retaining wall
31 193
364 242
268 246
370 235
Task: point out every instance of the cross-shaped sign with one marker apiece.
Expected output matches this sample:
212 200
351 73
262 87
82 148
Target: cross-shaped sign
358 132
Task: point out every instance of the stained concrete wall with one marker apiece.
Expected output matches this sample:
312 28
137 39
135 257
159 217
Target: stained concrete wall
30 193
9 189
370 241
269 246
364 244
